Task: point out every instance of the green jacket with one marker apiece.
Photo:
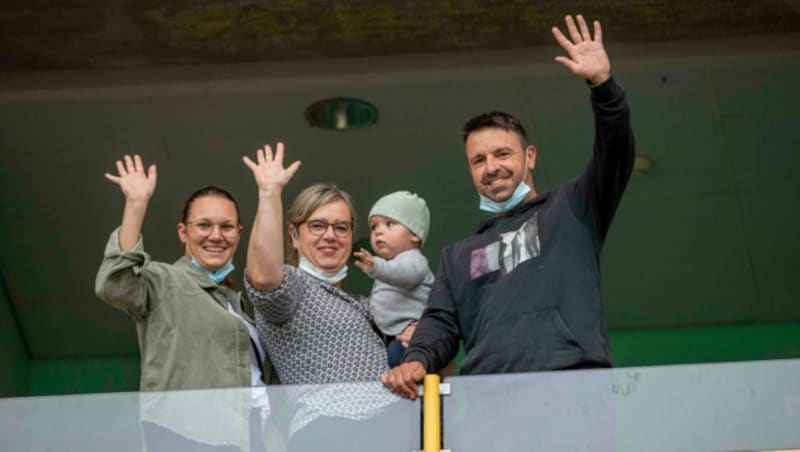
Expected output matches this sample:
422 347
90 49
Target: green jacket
187 337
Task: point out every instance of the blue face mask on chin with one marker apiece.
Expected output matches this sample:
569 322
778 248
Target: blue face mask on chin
487 205
216 276
329 277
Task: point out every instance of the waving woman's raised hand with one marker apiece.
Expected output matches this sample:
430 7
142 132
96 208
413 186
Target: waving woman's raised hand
135 184
138 188
265 250
268 170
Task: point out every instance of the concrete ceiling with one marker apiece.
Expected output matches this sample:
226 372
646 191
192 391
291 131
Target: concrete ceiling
708 237
42 34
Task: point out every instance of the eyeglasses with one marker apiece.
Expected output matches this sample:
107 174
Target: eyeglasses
205 228
341 229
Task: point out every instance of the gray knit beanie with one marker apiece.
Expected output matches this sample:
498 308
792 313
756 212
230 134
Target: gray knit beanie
407 209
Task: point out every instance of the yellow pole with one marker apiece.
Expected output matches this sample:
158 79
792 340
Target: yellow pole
431 415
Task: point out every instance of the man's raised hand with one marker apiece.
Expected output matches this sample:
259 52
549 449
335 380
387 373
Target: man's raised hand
586 56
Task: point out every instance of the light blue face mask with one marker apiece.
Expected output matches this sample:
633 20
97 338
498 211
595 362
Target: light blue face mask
522 190
487 205
219 275
329 277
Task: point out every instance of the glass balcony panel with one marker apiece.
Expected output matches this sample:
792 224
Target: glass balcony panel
711 407
346 417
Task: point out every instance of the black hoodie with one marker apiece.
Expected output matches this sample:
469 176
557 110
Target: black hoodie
524 293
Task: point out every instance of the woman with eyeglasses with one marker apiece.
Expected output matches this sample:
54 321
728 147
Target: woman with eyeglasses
313 330
193 332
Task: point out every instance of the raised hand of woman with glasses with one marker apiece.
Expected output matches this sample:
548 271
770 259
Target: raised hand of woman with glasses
268 170
137 186
265 249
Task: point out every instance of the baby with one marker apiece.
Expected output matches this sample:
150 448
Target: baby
399 225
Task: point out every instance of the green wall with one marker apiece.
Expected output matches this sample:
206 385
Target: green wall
13 352
76 376
707 344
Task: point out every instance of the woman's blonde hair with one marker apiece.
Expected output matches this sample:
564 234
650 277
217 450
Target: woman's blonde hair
308 201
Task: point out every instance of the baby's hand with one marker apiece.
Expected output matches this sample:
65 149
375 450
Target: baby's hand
405 336
365 261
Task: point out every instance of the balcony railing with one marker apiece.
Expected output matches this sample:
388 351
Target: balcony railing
744 406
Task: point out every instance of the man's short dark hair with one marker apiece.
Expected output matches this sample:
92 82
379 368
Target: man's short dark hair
496 120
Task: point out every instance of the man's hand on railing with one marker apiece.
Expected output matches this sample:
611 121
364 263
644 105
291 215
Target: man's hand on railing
404 378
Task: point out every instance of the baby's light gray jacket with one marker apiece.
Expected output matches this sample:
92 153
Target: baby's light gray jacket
401 289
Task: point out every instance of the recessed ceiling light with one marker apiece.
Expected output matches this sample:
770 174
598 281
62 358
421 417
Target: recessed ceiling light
341 113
